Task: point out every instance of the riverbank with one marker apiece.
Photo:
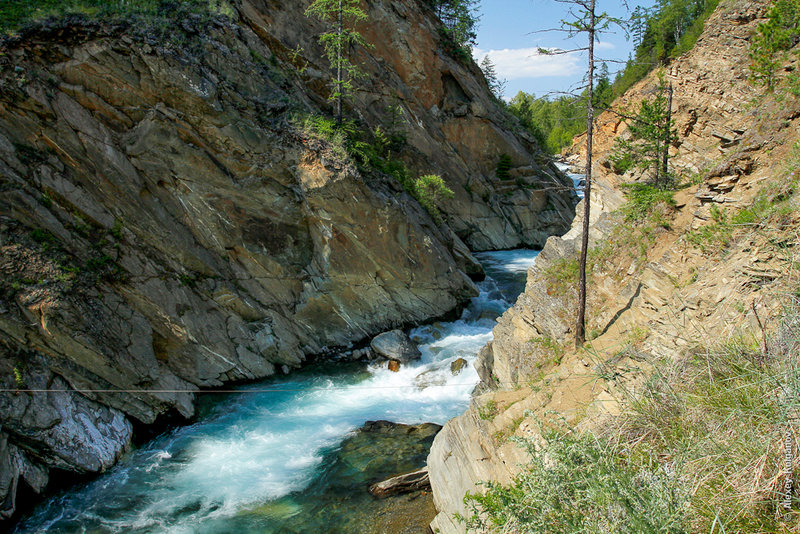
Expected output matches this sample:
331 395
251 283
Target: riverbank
271 446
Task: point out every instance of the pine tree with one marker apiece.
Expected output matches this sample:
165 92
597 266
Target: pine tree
459 19
343 15
779 33
651 134
496 84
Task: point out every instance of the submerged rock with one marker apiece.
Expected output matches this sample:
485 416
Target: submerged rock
395 345
339 495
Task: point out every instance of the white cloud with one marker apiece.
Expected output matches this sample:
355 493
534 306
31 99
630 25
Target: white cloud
519 63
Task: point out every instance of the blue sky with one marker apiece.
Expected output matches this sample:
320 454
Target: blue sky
505 34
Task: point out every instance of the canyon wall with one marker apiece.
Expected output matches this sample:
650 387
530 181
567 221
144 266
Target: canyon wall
167 224
652 293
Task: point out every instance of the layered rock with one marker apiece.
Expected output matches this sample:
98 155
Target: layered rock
651 294
166 226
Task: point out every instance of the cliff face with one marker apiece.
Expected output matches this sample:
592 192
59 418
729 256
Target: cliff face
165 226
652 292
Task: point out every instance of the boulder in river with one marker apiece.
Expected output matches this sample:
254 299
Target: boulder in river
394 366
457 366
395 345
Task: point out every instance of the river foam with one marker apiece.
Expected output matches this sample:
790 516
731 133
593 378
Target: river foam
254 448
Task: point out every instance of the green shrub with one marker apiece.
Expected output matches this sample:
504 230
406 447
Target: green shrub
643 200
552 346
429 190
706 444
713 237
488 411
503 167
772 38
43 237
579 483
662 33
725 412
17 13
562 275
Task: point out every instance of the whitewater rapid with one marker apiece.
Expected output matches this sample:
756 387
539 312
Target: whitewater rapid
253 448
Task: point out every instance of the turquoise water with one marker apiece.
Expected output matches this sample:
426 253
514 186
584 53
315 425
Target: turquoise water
577 178
255 458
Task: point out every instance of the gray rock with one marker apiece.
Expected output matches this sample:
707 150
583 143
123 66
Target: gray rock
395 345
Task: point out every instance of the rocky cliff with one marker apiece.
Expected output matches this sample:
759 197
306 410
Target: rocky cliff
166 225
656 289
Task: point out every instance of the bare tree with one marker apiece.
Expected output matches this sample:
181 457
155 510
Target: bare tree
584 20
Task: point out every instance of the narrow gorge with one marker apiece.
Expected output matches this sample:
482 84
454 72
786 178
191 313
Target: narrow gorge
171 221
222 310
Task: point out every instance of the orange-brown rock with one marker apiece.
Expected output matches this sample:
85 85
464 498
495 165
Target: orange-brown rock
649 297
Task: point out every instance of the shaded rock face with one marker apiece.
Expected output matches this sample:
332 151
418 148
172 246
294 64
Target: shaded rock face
451 122
164 225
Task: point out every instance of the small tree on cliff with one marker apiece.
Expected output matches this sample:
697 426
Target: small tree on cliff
780 33
343 15
651 134
496 84
459 19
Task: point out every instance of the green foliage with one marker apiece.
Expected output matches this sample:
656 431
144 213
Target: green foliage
715 236
562 276
555 122
643 201
503 167
429 190
459 26
778 34
18 378
552 122
46 200
16 13
772 209
700 447
663 32
348 142
43 237
488 410
552 346
338 137
651 134
582 484
116 229
724 413
105 268
342 15
496 85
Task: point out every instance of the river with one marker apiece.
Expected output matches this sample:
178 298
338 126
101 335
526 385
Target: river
246 463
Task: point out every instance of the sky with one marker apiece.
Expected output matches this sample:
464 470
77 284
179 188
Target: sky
509 31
